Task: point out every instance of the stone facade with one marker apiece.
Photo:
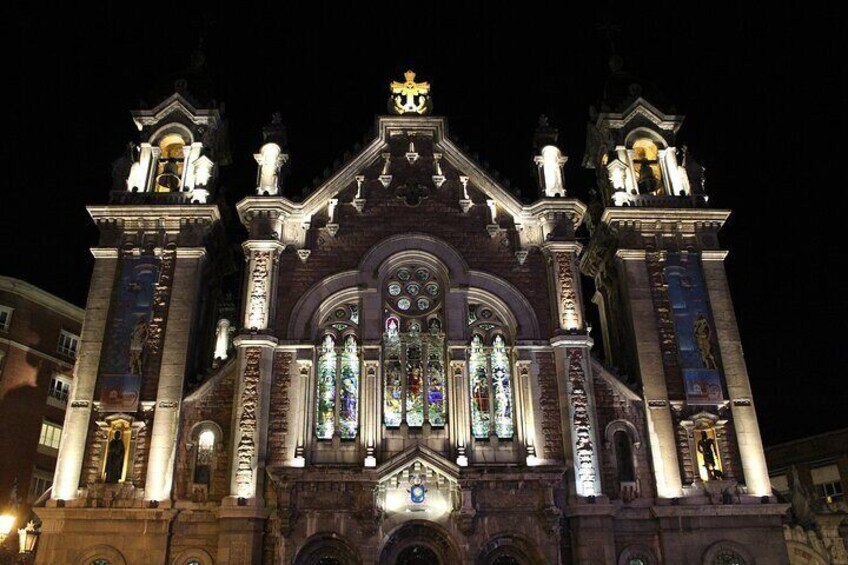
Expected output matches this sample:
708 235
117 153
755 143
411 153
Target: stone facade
413 376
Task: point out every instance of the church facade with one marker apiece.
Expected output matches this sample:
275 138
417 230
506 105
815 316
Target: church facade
410 376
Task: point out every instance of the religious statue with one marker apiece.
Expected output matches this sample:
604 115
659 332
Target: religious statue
703 335
414 384
481 395
115 458
409 97
707 448
138 341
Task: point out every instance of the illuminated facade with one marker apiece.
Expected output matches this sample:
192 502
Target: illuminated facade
411 376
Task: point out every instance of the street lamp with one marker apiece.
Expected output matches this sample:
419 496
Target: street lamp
27 538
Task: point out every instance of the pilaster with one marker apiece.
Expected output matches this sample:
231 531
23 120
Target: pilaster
745 422
637 291
188 269
75 430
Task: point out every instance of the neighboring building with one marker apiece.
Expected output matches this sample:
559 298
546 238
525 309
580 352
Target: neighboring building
812 474
412 378
39 339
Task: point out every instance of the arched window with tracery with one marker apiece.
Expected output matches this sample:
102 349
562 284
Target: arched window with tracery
414 388
338 375
490 375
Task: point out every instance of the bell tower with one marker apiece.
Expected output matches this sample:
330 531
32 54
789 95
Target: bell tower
667 317
143 315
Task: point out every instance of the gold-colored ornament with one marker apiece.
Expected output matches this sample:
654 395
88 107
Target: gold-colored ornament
409 97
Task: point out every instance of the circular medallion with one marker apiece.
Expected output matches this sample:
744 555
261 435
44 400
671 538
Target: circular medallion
340 313
394 289
486 313
403 275
423 303
403 303
432 289
413 288
422 274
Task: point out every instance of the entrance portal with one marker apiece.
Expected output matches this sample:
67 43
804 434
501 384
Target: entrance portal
419 543
417 555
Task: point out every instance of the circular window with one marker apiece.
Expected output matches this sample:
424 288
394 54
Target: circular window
432 289
422 274
486 313
394 289
403 275
340 313
423 303
413 288
403 303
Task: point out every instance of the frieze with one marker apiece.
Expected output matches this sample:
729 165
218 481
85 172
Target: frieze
168 404
161 300
79 404
550 409
584 450
247 420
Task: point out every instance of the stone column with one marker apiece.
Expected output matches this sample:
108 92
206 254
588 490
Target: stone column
637 293
370 410
72 449
572 344
459 420
255 365
745 422
169 394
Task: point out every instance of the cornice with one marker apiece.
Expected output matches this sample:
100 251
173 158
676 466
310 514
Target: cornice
41 297
663 219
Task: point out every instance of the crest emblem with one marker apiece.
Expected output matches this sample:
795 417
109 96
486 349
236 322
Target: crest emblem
409 97
417 490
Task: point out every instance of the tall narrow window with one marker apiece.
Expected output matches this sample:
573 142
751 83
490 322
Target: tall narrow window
326 412
489 376
414 389
337 376
205 454
647 167
169 169
5 317
624 457
68 343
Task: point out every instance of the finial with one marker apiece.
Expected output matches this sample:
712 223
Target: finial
409 97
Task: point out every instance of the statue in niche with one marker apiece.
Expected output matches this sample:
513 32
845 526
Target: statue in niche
703 335
707 448
481 393
138 341
115 458
414 384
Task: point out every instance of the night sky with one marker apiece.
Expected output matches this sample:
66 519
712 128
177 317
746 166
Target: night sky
761 92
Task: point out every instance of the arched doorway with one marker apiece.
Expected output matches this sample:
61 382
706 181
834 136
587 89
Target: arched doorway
419 543
327 549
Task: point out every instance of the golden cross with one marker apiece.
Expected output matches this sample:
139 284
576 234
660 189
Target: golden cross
407 95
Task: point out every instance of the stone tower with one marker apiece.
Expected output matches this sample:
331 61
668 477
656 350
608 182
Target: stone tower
121 429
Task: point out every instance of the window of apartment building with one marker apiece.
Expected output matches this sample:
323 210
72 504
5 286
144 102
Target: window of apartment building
51 435
5 317
41 481
68 343
60 388
828 483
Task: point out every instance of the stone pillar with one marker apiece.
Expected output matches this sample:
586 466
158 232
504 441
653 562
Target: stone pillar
745 422
572 344
524 394
72 449
169 394
637 293
459 419
577 401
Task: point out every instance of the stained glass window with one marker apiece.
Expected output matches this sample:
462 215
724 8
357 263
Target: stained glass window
349 408
489 375
337 409
728 557
414 387
501 389
325 414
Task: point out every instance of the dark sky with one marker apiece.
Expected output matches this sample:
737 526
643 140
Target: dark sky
764 96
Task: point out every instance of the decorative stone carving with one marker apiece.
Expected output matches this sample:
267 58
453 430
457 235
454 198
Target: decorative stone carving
303 254
569 313
465 202
464 517
248 402
358 200
521 255
438 176
385 174
581 425
161 301
413 193
257 300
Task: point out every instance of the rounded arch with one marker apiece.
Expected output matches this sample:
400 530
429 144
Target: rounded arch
636 553
509 545
327 545
203 425
622 426
172 128
342 298
103 551
194 554
643 132
722 553
501 309
420 533
366 278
